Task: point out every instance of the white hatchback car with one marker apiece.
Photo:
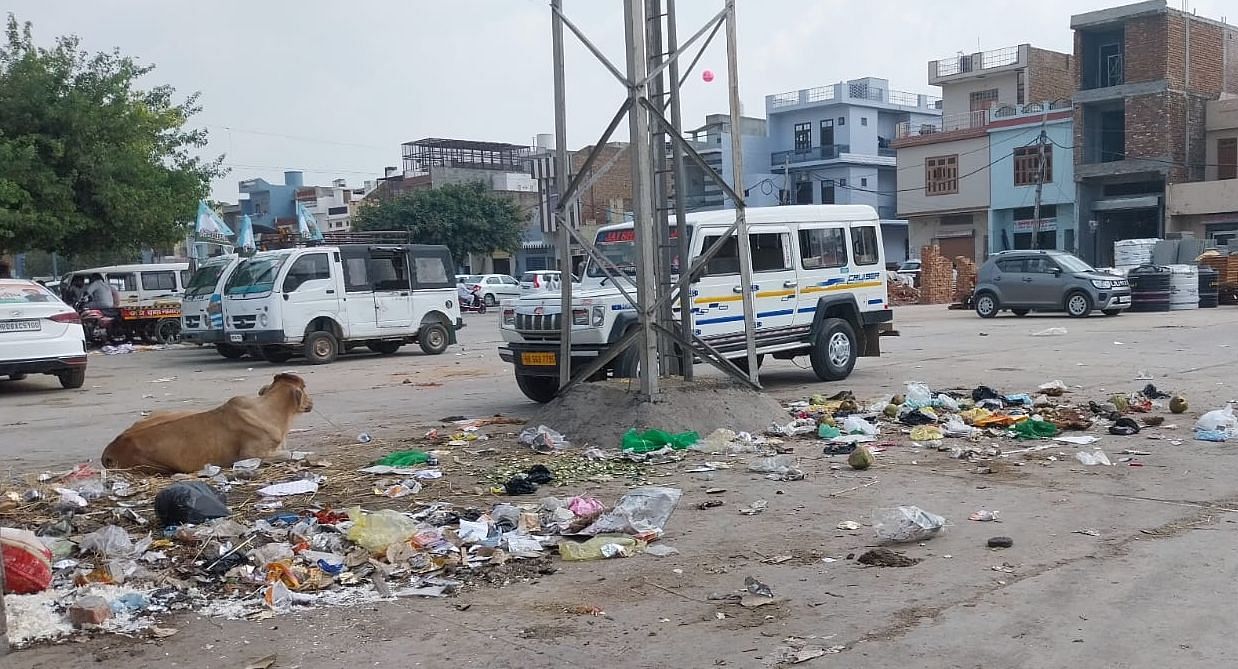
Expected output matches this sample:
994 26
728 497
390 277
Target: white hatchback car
540 281
39 334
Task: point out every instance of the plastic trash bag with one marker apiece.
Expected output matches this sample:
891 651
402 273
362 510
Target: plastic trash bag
542 439
1096 457
926 433
778 468
918 395
1034 429
654 440
1219 420
946 402
107 541
903 524
376 531
855 425
1211 435
1050 332
189 502
955 427
600 548
644 509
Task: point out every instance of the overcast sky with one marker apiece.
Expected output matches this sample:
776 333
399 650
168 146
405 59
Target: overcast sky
334 88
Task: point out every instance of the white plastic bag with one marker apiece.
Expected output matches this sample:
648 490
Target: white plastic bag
1096 457
903 524
853 424
644 509
955 427
918 395
1219 420
946 402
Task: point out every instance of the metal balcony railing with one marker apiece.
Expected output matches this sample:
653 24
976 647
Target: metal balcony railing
828 152
967 121
975 62
850 91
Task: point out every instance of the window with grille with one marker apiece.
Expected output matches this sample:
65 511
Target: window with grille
981 100
1027 166
803 137
941 175
1227 158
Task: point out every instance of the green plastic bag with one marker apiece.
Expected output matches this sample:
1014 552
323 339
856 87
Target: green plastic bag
1034 429
827 431
404 459
654 440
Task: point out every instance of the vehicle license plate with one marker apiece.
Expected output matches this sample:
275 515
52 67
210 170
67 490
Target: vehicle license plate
20 326
236 337
536 359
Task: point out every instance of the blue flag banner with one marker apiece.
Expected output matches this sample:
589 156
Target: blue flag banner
245 234
307 225
209 223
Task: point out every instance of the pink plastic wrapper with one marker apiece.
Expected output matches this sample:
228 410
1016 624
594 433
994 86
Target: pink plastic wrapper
586 507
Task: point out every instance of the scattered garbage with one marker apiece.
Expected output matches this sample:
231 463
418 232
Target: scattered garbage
1219 420
189 502
655 440
757 506
884 557
1124 427
364 438
642 511
854 424
1000 542
1178 405
902 524
757 588
1096 457
409 458
1050 332
849 525
984 516
297 487
927 433
1053 388
1078 441
1034 429
778 468
601 547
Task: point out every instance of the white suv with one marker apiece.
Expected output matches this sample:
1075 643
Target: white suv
819 283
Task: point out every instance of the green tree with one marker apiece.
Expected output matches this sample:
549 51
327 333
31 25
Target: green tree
466 218
88 160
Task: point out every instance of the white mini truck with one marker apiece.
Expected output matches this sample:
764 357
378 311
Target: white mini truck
323 300
818 282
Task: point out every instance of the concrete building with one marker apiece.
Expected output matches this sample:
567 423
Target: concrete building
834 145
332 206
271 206
944 177
1014 170
1208 209
713 141
1144 74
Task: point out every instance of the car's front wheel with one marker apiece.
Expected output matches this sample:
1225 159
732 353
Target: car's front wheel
834 353
1078 304
540 389
987 305
490 300
229 351
72 378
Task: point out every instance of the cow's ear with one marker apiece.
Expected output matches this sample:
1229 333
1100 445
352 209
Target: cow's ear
263 390
299 396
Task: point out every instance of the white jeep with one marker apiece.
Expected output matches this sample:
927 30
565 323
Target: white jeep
818 282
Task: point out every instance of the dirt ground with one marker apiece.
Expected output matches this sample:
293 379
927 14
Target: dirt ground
1144 585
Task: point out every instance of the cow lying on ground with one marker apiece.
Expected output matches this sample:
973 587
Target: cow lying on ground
187 441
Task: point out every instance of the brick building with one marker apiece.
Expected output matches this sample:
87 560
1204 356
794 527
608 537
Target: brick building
1144 74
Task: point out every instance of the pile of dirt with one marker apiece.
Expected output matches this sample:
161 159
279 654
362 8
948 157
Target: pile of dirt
884 557
597 414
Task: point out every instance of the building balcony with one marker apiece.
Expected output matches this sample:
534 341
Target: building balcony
813 154
851 92
960 67
948 128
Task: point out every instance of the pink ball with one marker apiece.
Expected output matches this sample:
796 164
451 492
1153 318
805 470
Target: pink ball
707 75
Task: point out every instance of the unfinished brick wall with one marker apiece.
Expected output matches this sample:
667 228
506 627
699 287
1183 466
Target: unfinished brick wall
965 284
936 276
1145 57
1207 54
1049 75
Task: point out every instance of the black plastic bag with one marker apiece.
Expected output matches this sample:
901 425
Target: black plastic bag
520 485
540 474
190 502
1124 427
1150 392
917 417
985 393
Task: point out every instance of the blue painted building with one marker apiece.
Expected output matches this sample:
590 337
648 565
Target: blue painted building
1015 156
831 145
270 205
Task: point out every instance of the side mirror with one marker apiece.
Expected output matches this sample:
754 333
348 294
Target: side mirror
1056 271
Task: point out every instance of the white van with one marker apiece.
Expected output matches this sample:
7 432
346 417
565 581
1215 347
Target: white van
322 300
142 285
202 314
818 278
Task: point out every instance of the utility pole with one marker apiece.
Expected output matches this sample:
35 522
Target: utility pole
786 180
1040 185
560 186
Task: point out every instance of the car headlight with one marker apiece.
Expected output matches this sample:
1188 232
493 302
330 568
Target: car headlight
262 320
599 317
1103 283
580 316
509 317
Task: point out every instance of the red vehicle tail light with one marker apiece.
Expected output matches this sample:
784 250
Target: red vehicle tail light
66 317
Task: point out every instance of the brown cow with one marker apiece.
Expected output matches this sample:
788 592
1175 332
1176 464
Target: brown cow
186 441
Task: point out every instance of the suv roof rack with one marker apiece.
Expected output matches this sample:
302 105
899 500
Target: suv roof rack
369 237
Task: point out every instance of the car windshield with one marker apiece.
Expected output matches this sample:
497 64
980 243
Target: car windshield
1073 264
204 280
256 275
21 293
619 247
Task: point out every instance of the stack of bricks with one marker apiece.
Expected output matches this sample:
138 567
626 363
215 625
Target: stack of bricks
965 285
936 276
1226 267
